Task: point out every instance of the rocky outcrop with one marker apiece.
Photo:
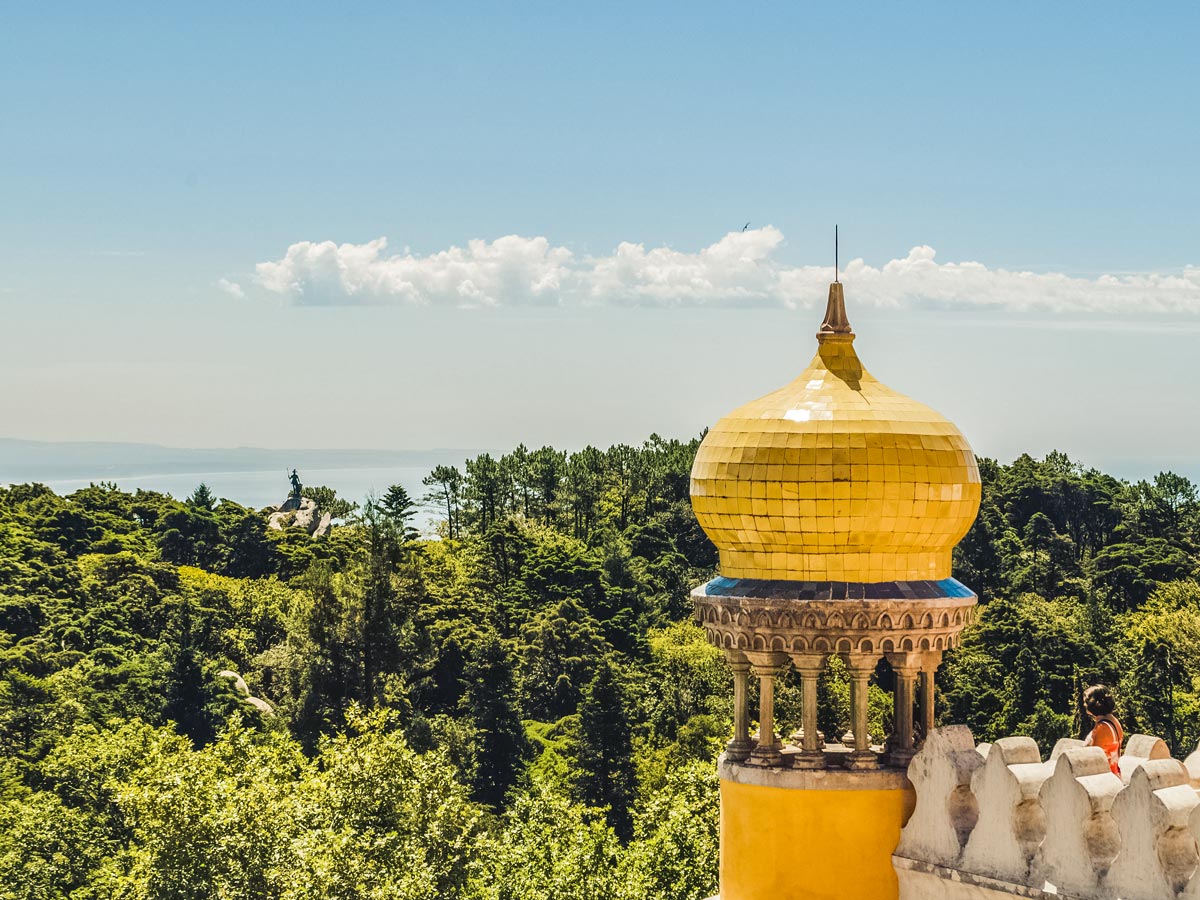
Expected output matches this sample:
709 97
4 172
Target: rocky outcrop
304 514
239 685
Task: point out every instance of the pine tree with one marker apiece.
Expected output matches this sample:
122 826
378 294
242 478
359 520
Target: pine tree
503 747
606 769
334 678
398 506
383 620
445 483
202 498
251 554
188 688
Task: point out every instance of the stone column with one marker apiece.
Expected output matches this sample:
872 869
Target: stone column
809 666
740 747
930 661
860 667
906 666
766 665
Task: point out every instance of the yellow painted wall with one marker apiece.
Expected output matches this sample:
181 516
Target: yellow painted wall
787 844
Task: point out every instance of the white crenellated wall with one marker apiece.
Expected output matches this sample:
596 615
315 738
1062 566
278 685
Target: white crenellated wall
995 820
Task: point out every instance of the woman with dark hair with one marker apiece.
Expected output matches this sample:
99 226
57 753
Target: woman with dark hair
1106 733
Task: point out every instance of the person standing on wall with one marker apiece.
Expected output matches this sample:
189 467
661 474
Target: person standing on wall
1106 733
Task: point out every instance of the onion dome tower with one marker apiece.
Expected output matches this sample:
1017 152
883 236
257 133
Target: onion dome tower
835 503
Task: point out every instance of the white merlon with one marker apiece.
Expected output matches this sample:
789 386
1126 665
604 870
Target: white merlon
1009 780
1158 851
1081 836
995 820
945 812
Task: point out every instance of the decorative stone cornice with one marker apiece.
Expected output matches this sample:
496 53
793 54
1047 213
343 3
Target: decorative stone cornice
833 617
831 779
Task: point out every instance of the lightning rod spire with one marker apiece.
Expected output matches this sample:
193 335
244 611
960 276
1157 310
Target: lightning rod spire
835 325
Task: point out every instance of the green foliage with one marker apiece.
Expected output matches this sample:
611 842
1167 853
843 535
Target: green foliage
518 708
327 501
550 847
1074 568
48 849
606 776
446 495
676 837
502 746
202 498
375 813
400 508
1159 656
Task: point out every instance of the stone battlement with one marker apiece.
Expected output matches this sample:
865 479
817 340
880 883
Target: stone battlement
995 820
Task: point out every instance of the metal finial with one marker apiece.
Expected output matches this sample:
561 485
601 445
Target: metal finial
835 323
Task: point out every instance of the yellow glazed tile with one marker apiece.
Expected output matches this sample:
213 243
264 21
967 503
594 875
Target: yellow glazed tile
835 476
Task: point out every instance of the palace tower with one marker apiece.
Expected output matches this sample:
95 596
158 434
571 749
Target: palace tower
836 504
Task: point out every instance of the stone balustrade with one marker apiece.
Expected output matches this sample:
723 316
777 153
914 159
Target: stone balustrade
997 821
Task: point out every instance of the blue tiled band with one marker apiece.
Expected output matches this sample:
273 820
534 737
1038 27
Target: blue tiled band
836 590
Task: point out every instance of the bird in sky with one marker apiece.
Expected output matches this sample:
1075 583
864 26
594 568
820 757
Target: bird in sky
744 227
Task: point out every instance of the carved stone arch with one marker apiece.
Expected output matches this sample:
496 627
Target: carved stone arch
844 645
743 642
939 643
885 621
906 643
927 620
944 620
810 622
866 645
760 643
821 644
778 643
725 617
799 644
887 645
925 644
906 621
834 622
860 622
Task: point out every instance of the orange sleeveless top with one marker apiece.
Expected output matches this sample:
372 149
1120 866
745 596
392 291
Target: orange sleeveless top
1108 738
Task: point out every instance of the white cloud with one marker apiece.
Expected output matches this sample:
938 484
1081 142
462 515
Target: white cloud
741 269
232 288
508 271
735 271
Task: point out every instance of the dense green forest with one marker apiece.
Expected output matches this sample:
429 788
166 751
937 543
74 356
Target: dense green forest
515 707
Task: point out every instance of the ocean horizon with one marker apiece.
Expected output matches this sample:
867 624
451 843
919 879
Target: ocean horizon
253 477
257 488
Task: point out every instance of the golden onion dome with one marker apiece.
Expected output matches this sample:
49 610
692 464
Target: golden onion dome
835 477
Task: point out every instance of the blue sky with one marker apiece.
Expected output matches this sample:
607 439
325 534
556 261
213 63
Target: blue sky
151 153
